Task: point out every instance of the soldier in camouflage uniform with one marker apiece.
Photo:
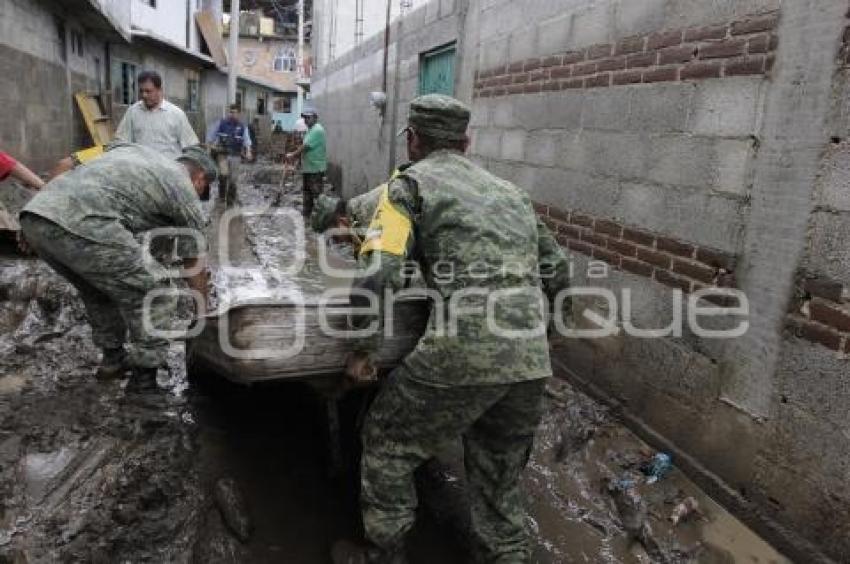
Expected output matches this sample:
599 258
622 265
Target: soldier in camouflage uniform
479 384
355 214
86 223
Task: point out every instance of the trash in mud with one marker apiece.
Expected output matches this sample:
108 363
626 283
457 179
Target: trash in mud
575 433
215 544
630 505
684 510
657 467
233 507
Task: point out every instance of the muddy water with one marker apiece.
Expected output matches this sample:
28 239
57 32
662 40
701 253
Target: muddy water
89 473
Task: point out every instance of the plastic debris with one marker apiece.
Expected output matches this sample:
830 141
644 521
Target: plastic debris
684 510
657 467
234 511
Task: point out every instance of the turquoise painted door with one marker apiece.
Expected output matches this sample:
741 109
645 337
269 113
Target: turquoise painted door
437 71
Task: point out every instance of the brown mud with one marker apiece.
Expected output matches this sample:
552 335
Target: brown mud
91 473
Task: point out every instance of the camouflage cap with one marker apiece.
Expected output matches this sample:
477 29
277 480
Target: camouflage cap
439 116
324 213
198 155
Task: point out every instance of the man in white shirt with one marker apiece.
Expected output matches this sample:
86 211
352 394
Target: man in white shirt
155 122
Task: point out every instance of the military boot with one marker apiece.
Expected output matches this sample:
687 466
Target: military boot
348 552
113 364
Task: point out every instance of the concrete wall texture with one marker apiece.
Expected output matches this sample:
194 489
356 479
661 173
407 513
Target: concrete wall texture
680 145
40 76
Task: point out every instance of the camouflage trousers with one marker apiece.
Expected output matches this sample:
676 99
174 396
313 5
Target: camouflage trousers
112 281
411 421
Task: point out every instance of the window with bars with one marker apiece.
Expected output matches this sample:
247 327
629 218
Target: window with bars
193 103
128 83
285 61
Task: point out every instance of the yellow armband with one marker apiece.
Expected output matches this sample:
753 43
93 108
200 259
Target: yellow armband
86 155
389 230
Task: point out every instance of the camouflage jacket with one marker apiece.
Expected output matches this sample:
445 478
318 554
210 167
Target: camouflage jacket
131 189
480 247
361 209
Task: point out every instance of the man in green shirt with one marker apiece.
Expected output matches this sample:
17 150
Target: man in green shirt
314 160
86 224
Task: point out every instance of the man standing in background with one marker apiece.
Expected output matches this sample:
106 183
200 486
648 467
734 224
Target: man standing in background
314 161
155 122
230 140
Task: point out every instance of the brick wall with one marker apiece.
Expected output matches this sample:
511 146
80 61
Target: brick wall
819 313
672 262
739 48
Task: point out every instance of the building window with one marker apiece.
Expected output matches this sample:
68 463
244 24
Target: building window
239 97
282 105
151 3
128 83
284 60
194 95
77 43
62 40
437 71
261 105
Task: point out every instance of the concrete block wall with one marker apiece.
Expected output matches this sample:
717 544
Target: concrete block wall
672 145
42 123
362 144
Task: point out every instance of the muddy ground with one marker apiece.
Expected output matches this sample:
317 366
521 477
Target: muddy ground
210 472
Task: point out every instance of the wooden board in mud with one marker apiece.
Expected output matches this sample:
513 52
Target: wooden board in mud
269 342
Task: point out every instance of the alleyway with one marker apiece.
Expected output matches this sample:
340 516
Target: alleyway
90 475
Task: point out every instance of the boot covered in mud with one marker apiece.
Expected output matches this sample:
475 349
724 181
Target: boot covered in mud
348 552
114 364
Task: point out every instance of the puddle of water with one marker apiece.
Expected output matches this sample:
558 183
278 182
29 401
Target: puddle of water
40 468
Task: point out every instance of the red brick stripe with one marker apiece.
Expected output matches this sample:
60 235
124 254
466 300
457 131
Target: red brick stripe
737 48
675 263
826 319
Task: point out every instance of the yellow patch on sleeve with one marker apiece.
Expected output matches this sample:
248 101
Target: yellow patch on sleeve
389 230
89 154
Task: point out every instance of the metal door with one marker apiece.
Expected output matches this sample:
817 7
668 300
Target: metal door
437 71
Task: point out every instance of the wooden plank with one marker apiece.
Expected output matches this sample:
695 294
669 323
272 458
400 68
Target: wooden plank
263 327
212 35
99 125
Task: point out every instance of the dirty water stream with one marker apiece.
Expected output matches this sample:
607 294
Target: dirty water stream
90 473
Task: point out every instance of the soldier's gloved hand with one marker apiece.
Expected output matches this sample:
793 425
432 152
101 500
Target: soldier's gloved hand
361 368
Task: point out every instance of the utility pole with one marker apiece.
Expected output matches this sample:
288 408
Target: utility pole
233 52
299 104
